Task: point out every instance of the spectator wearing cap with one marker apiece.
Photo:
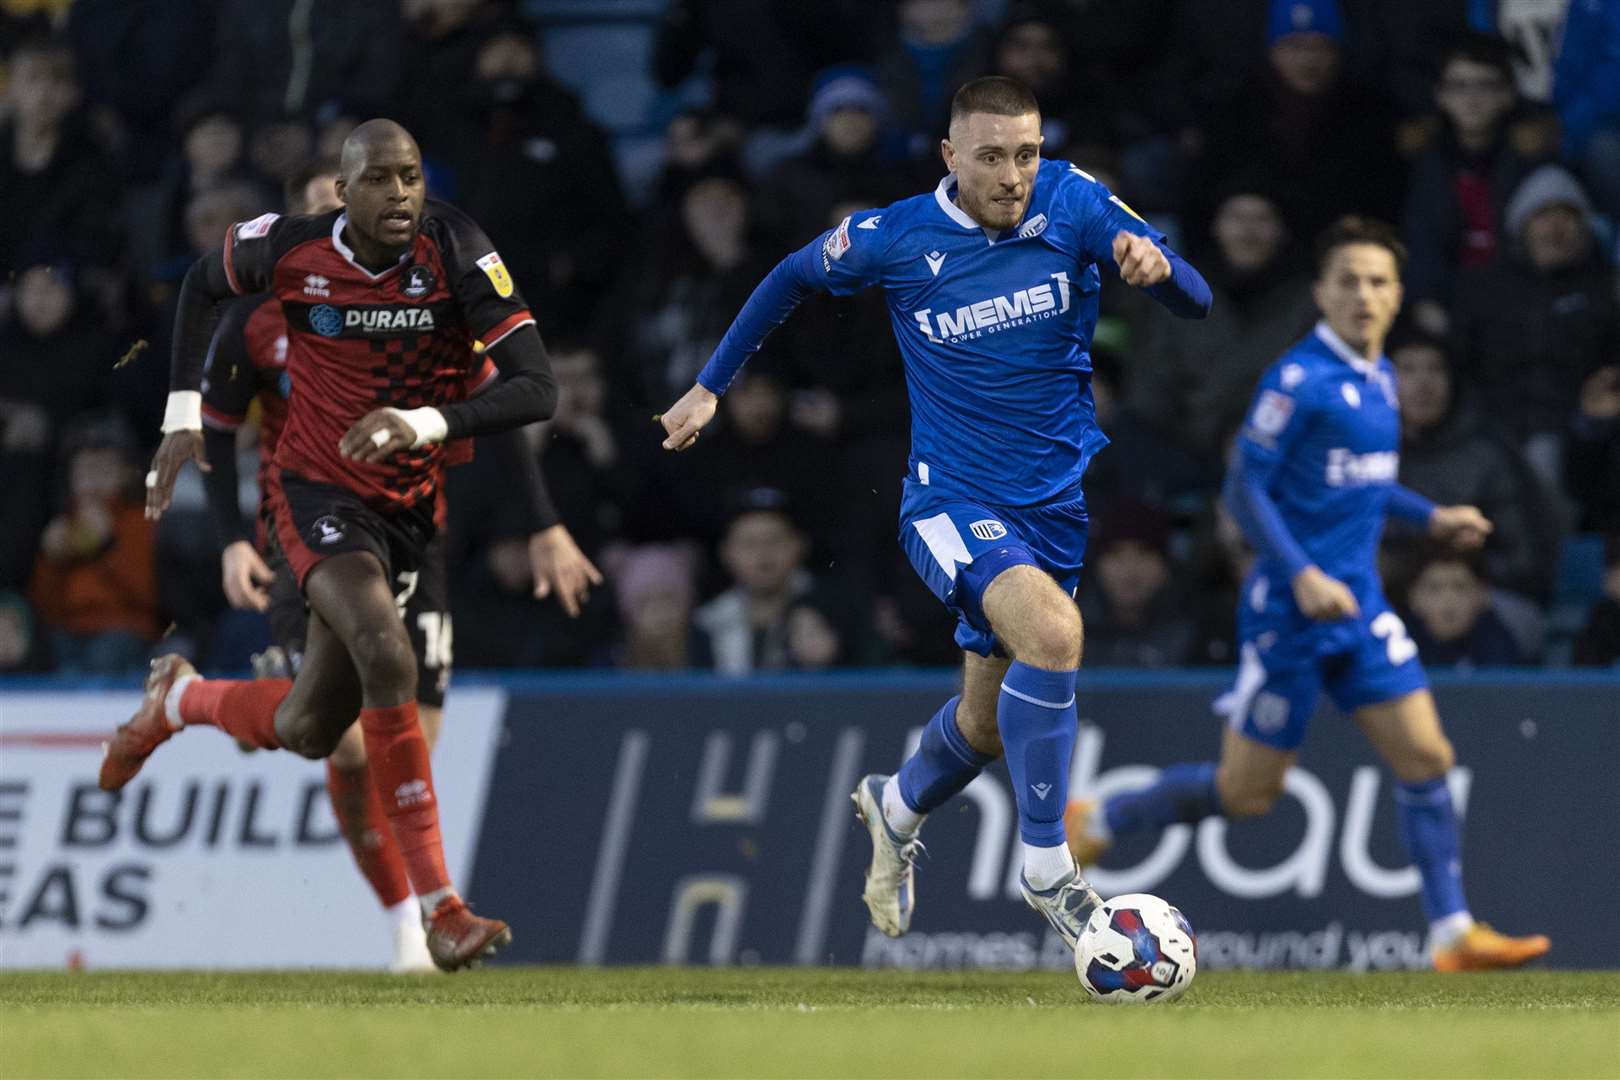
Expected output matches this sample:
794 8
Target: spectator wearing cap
747 627
1460 185
655 589
1451 618
1132 615
1598 644
847 160
1456 455
1325 142
95 584
1534 326
1198 383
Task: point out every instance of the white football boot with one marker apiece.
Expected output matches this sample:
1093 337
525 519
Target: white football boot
1067 905
891 879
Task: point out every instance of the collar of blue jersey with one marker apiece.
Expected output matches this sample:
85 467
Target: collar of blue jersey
1365 368
945 195
344 250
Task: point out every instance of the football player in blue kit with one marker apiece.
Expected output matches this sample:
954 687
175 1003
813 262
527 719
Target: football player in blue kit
1312 478
992 282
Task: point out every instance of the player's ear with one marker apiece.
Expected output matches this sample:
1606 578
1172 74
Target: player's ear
948 152
341 186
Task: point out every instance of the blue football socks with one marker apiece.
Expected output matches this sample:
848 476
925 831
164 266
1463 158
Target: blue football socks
942 764
1429 829
1037 722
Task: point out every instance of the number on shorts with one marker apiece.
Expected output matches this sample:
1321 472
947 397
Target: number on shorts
1388 626
436 637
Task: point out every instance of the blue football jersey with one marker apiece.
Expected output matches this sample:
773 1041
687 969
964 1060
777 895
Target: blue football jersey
994 329
1322 437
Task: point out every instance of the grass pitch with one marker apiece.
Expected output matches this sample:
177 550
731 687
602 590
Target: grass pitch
779 1022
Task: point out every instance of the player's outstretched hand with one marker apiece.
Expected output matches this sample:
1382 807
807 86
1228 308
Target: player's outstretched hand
1460 526
683 420
1140 261
560 567
376 436
246 577
1324 598
177 448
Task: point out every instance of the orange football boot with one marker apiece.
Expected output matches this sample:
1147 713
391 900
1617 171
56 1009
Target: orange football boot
456 938
1085 848
1482 949
148 729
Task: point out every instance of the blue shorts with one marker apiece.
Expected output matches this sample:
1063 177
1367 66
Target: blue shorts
1287 660
958 546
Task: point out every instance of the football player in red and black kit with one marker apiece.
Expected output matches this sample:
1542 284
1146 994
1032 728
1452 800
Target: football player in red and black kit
247 367
380 364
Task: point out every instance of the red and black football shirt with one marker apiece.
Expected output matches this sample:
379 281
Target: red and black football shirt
358 341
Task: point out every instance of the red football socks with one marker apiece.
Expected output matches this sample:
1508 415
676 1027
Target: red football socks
398 756
360 815
245 710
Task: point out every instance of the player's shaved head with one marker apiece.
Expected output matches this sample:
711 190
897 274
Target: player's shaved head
380 182
994 94
371 137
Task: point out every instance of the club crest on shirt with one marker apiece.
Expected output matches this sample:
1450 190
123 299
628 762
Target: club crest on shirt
495 270
418 281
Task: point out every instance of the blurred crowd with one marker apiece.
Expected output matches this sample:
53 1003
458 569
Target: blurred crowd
132 132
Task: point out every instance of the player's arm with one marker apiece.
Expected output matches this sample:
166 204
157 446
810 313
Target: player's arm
229 385
243 265
840 261
1273 426
499 317
1464 527
1111 232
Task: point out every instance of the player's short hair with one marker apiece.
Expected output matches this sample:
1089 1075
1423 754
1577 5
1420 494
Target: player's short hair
1354 229
994 94
293 190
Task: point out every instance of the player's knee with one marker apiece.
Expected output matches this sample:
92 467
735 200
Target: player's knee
386 662
1055 644
1427 762
308 734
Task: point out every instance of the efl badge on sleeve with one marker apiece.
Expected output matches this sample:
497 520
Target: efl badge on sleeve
495 270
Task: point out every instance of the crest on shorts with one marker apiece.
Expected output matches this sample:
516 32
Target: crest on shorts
327 530
495 270
417 282
988 529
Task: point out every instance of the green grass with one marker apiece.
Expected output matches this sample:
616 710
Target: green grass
778 1022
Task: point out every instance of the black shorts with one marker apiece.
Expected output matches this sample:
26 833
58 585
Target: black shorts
420 577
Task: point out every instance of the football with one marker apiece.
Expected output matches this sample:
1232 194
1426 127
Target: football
1136 948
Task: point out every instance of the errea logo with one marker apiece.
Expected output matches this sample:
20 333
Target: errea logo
316 285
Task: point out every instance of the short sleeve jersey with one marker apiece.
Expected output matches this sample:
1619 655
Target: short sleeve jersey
1323 436
358 340
994 328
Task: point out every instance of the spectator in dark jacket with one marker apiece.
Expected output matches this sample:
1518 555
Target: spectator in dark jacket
1536 324
1133 617
1198 382
939 48
847 161
1459 188
1327 143
1452 622
1592 453
1455 455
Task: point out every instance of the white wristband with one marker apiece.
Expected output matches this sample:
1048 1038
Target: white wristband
183 411
427 422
